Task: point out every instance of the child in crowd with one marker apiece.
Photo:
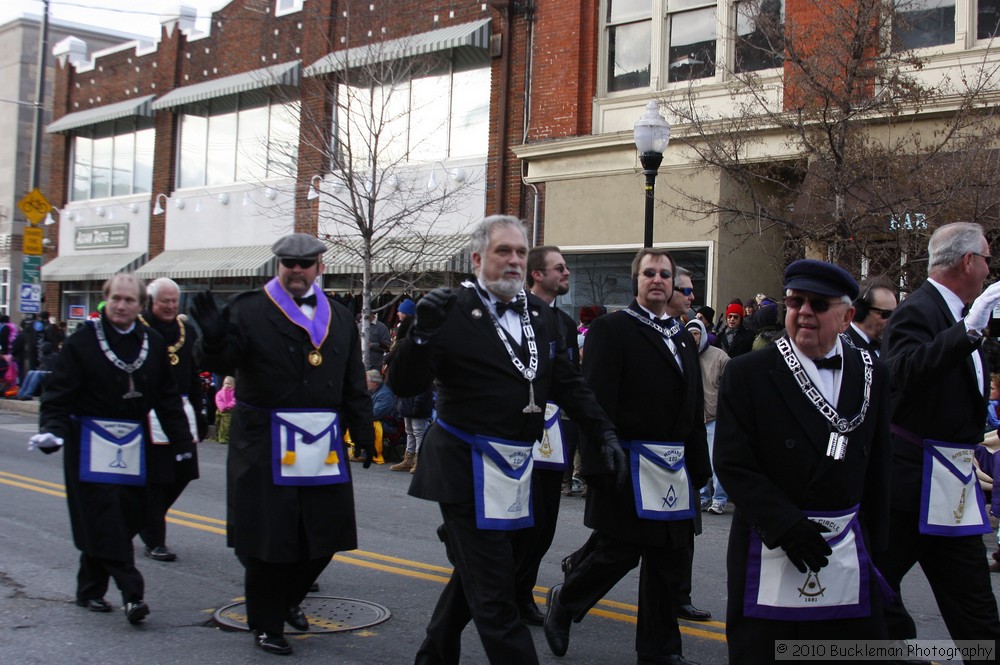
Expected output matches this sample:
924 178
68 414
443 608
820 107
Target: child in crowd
225 401
992 419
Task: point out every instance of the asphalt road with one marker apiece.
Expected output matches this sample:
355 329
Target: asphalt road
400 566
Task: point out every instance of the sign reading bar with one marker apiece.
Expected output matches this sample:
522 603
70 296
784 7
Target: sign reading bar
33 237
101 237
35 206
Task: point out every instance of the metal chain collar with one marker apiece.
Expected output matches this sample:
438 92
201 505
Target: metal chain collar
128 368
531 371
666 332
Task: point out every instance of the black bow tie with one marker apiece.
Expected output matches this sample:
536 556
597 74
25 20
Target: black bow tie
516 305
306 300
833 362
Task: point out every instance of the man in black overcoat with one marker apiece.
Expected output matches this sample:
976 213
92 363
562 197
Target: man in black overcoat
300 383
497 358
796 484
643 367
110 373
940 384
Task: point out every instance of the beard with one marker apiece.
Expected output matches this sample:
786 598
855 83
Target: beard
505 288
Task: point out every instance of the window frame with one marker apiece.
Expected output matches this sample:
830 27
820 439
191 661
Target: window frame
139 131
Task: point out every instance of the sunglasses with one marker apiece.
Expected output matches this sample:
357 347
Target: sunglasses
686 290
884 313
650 273
305 264
818 305
986 257
558 268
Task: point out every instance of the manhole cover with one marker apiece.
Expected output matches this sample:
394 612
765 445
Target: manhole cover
326 615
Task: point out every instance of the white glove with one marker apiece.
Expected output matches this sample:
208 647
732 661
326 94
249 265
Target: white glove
979 314
46 441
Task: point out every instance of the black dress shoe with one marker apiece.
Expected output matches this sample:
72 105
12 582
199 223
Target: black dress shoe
692 613
161 553
136 612
275 644
297 619
94 604
530 613
557 623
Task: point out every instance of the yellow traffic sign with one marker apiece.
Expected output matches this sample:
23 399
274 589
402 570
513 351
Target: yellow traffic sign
35 206
33 240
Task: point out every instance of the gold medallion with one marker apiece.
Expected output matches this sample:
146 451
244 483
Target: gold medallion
315 359
173 358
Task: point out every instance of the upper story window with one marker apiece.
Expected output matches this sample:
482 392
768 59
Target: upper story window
112 159
693 35
441 114
923 23
629 35
239 138
760 34
987 19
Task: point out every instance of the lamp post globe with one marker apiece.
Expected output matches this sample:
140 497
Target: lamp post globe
652 134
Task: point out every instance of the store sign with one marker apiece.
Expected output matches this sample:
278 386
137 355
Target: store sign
101 237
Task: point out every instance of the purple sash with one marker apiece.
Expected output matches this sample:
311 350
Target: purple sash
318 327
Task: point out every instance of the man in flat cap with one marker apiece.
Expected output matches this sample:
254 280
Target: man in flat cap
300 383
940 384
802 447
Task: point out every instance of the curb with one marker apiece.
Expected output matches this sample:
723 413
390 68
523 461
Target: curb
26 407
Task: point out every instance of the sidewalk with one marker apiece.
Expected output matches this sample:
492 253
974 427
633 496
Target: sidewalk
26 407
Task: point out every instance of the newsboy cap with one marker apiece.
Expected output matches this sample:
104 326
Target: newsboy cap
298 246
820 277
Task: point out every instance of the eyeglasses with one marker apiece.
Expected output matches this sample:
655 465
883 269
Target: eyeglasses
650 273
686 290
818 305
305 264
987 257
558 268
884 313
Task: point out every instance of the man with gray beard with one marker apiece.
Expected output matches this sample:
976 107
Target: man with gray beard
497 358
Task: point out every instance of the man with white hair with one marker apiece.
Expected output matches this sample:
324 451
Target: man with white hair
497 357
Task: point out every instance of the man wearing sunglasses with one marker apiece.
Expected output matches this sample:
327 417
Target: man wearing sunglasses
296 354
802 448
872 310
941 380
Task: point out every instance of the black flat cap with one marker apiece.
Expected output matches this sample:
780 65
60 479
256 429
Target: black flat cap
298 246
820 277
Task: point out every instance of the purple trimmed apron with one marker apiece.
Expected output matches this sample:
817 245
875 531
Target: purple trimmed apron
951 501
550 452
307 447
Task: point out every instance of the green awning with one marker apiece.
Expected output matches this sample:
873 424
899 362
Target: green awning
131 107
85 267
401 255
288 74
475 35
251 261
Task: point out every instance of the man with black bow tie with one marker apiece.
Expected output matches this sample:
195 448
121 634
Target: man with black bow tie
643 367
872 310
497 359
296 355
802 448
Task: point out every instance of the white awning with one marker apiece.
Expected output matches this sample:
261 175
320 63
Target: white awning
475 35
288 73
402 255
252 261
131 107
90 266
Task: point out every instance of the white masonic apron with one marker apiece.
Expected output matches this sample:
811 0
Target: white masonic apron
550 452
112 451
156 432
951 501
775 589
660 480
307 448
501 478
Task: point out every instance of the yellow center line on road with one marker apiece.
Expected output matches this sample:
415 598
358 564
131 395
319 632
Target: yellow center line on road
360 558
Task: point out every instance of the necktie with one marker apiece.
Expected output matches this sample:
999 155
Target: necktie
516 305
306 300
833 362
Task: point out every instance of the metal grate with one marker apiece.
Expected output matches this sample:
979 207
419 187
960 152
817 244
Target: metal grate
326 615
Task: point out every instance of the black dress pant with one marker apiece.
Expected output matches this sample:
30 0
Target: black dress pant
481 589
546 490
958 573
159 499
94 574
272 588
603 561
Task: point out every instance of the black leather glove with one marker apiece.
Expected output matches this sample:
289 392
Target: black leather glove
614 459
367 453
432 310
213 323
805 545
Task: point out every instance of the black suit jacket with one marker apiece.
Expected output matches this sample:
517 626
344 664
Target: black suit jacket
641 388
479 391
770 448
934 390
857 341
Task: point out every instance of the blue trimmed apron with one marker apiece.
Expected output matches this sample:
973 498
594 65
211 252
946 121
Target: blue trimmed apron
501 475
550 452
775 589
660 481
951 501
307 447
112 451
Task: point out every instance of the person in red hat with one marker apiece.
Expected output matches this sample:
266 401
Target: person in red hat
734 339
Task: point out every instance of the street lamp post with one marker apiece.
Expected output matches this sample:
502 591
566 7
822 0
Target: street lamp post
652 134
